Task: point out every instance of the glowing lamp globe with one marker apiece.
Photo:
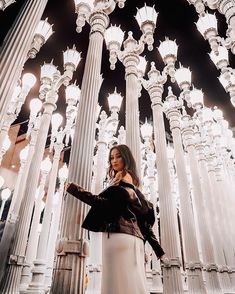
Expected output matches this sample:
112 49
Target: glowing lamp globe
72 93
146 130
28 80
71 57
115 101
183 76
35 105
114 34
196 98
44 29
24 153
63 172
56 120
6 193
46 165
146 13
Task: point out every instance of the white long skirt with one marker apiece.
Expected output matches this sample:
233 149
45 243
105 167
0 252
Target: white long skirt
123 269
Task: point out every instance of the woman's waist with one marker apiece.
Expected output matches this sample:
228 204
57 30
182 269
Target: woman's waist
126 226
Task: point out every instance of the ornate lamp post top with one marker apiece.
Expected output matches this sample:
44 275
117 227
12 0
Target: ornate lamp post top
115 101
196 98
146 130
63 172
168 51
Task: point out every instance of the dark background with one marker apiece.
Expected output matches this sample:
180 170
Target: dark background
176 20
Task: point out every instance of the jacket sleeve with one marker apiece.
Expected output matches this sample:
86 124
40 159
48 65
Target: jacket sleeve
86 196
152 240
118 196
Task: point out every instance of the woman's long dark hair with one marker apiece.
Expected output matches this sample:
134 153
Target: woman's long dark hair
128 162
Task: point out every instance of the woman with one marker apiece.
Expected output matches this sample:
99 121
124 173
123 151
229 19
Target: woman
126 218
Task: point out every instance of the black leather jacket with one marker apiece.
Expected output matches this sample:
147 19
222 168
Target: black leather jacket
120 208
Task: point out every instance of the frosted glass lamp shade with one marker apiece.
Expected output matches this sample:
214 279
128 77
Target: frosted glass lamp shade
146 130
183 75
72 56
48 70
56 120
115 100
35 105
46 165
28 80
168 48
44 29
114 34
146 14
206 23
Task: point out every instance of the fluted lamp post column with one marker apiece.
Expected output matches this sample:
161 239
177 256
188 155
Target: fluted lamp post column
212 200
36 284
193 264
55 222
146 133
33 235
13 214
69 271
53 80
129 56
172 282
212 279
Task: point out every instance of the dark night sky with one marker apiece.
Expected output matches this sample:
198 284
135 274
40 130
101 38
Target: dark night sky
176 20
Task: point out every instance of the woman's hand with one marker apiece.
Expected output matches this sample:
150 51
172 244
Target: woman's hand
164 259
68 184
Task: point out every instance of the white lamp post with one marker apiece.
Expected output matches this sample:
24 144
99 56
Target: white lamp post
5 194
83 146
40 260
183 78
146 18
212 279
19 190
42 34
20 241
33 236
192 260
168 50
35 105
154 86
207 26
56 121
54 230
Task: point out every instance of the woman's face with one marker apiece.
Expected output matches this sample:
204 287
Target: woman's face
116 160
